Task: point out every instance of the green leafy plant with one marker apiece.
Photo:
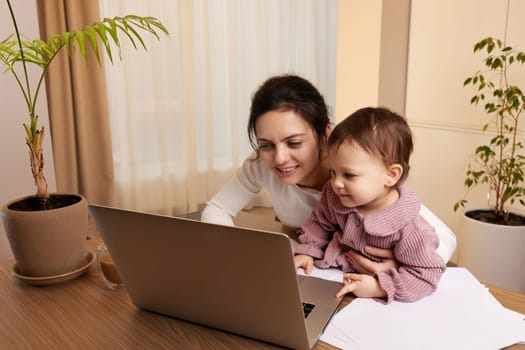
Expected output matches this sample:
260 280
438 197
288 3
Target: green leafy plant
500 163
16 51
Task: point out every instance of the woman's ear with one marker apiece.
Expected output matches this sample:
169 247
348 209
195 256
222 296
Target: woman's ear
328 130
393 174
323 152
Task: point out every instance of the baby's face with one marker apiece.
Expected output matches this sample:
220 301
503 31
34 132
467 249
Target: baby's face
358 177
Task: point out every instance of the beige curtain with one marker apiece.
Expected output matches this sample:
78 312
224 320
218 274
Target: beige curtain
78 111
179 111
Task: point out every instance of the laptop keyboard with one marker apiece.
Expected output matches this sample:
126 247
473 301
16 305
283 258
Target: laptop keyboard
307 308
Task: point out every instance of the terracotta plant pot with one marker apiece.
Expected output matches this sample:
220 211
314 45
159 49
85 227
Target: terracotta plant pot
47 242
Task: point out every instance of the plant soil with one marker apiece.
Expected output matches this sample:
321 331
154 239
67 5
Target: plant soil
54 201
489 216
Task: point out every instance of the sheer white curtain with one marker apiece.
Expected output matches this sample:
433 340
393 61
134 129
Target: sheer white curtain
179 111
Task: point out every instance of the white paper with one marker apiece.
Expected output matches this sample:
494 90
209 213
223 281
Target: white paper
461 314
332 274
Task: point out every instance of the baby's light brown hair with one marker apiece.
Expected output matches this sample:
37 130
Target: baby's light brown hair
378 131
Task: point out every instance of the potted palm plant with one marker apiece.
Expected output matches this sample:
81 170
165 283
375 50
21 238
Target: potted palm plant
47 231
492 239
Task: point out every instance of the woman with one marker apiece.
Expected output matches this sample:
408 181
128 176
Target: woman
288 128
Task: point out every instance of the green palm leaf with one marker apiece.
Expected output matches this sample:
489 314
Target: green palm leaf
17 50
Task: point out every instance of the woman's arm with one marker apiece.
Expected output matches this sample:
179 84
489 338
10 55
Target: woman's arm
447 238
230 199
236 193
369 267
213 214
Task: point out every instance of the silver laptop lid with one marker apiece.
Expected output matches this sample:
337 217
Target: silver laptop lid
234 279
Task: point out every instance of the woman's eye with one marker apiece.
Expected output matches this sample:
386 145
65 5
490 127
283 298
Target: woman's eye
265 146
294 144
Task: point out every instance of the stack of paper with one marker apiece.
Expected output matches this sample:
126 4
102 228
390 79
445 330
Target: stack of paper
460 314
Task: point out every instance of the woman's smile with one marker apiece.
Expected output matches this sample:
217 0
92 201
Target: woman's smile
286 171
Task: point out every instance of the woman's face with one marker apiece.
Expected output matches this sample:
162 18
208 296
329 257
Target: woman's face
288 147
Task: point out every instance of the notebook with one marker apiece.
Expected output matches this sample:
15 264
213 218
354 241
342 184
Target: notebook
234 279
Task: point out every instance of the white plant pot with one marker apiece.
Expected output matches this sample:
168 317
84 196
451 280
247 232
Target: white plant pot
495 254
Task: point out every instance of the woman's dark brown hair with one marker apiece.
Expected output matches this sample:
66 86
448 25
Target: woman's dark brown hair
285 93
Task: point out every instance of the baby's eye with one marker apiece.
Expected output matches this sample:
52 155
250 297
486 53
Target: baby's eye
348 175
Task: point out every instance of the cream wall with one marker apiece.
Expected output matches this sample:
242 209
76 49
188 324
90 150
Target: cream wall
15 174
372 51
358 55
438 41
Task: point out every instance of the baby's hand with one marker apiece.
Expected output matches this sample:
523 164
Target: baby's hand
304 261
364 286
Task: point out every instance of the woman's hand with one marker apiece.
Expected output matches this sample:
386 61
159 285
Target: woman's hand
304 261
366 266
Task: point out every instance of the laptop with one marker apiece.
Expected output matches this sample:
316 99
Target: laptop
234 279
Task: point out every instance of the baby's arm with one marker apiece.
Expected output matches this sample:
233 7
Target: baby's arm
304 261
421 266
363 286
318 229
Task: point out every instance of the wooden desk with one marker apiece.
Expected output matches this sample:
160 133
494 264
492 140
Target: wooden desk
84 314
